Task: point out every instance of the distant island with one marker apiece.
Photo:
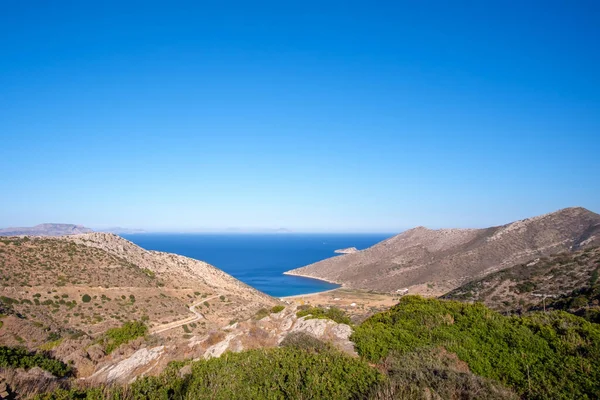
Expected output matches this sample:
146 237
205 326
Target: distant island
46 230
121 231
347 250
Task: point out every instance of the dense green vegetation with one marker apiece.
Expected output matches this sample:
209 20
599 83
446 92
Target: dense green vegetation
544 355
332 313
281 373
11 357
115 337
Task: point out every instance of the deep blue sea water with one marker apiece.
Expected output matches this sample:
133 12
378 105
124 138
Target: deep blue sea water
260 260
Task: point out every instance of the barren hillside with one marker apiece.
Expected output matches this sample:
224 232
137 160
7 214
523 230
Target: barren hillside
436 261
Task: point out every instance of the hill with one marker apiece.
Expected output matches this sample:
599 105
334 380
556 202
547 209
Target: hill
46 230
65 293
434 262
565 281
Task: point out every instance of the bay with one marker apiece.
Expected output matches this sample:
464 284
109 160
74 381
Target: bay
259 260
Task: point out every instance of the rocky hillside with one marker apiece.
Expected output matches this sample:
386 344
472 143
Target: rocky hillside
434 262
548 282
46 230
63 294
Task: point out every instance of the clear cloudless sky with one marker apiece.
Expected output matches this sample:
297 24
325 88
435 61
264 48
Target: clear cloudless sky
341 116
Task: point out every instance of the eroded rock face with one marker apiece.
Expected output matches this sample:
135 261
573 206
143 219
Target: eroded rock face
270 332
240 336
125 370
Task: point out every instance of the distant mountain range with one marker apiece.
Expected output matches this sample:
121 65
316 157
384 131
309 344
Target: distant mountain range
437 261
121 231
46 230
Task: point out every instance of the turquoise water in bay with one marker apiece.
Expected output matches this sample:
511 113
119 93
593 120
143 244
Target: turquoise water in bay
260 260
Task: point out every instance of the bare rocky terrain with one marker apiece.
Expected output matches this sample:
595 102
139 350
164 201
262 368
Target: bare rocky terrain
433 262
46 230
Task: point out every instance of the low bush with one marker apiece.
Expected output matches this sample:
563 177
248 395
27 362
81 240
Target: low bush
332 313
17 357
304 341
260 314
276 309
115 337
418 374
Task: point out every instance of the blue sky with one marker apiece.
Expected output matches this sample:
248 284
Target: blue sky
314 116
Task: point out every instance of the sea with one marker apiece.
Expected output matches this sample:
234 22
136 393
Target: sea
260 260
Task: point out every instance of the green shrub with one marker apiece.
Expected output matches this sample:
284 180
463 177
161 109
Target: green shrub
277 309
544 355
86 298
525 287
148 272
260 314
16 357
332 313
8 301
115 337
304 341
594 277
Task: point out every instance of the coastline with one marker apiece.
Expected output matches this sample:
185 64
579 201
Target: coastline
290 273
297 296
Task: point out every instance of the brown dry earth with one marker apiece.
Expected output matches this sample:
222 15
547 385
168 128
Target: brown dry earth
442 260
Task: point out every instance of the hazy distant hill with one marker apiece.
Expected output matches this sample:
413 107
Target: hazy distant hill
46 230
117 230
437 261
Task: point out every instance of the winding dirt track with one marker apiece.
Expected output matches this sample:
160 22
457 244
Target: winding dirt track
196 317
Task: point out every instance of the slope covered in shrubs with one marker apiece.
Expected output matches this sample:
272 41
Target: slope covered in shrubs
281 373
543 355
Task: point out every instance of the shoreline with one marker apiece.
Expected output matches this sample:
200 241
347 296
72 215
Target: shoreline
296 296
312 277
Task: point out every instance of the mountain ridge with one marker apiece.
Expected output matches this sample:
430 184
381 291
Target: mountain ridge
433 262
